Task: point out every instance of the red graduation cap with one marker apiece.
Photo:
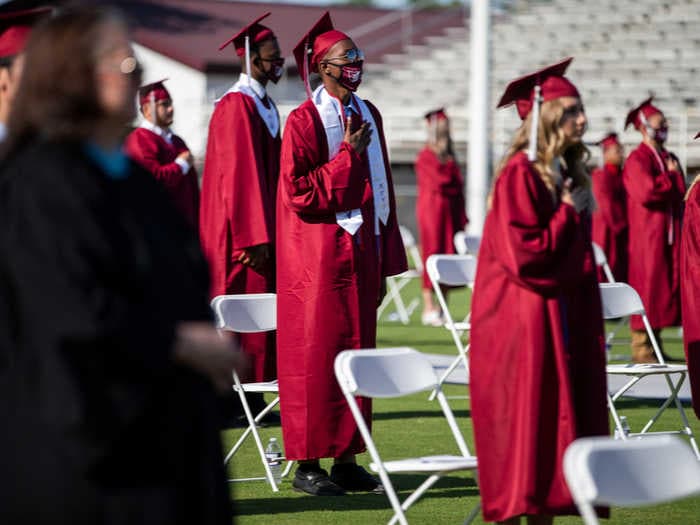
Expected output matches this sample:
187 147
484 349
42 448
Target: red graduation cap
641 113
551 81
153 92
256 33
608 140
15 28
314 45
436 114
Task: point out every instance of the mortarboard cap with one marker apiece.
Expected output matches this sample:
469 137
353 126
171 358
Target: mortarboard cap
436 114
255 31
697 135
153 92
314 45
608 140
15 28
551 80
641 113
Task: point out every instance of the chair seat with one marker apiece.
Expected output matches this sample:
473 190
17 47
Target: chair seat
460 326
441 362
264 386
442 463
644 369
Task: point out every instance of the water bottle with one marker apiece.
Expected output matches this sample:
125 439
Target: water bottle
273 455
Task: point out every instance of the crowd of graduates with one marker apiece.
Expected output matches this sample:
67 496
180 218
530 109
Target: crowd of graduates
111 372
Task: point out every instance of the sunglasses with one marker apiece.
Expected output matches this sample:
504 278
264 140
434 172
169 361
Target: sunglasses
352 55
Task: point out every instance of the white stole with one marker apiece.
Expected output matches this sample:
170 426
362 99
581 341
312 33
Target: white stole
333 118
270 116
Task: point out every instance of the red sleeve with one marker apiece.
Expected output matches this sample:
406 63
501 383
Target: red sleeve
312 185
612 213
537 248
143 149
236 172
643 184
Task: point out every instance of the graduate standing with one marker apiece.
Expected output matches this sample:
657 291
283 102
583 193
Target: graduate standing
109 399
440 207
337 239
655 188
239 184
537 355
165 155
610 216
690 287
15 28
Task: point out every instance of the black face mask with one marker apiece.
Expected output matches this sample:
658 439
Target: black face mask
276 70
350 75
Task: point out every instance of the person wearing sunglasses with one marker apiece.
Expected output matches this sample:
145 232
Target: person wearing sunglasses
163 153
337 239
237 207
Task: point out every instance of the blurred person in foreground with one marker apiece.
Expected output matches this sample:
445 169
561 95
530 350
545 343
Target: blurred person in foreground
337 239
537 355
15 28
690 287
162 153
655 187
610 215
440 207
114 359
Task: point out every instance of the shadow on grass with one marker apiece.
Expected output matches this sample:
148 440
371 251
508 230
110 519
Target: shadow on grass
410 414
447 487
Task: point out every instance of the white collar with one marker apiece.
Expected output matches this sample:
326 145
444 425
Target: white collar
164 133
256 86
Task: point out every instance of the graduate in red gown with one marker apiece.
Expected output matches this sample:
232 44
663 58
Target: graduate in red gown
610 216
237 216
690 288
337 239
440 207
162 153
655 188
15 28
537 356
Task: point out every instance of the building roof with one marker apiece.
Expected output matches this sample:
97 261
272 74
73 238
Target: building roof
190 31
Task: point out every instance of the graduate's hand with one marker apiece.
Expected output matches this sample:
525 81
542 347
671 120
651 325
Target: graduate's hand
566 196
187 157
360 138
255 256
672 163
199 346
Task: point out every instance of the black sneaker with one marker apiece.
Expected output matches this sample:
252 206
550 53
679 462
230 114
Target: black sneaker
354 478
316 483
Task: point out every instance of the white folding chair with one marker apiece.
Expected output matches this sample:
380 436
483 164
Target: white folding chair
621 300
601 471
395 372
250 313
466 244
602 261
396 283
452 270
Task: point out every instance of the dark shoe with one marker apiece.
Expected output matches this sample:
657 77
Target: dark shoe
354 478
316 483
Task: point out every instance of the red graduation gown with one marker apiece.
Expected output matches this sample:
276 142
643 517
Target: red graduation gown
440 209
610 219
654 210
157 156
537 355
690 291
238 211
327 282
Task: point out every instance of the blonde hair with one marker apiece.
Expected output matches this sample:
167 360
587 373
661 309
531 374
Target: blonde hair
695 181
551 143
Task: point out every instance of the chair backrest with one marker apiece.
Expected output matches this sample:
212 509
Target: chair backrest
452 270
255 312
465 244
630 473
620 300
409 242
386 372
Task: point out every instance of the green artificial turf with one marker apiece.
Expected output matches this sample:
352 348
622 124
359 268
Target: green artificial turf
414 426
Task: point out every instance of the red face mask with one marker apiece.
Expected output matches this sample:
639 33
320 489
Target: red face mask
351 75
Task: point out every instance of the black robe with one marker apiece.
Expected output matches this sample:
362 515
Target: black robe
99 424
